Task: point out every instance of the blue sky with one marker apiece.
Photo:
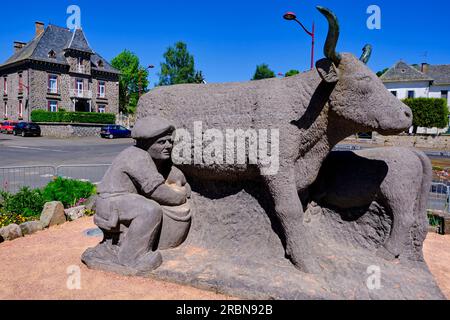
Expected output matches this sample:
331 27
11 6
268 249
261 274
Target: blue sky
229 38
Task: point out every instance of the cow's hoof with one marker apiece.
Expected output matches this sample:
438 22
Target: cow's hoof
149 262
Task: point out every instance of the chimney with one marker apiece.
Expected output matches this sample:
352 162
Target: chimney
19 45
424 68
39 28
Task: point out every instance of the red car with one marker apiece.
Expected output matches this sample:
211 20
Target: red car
8 127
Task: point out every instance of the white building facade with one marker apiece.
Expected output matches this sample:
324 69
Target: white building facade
425 81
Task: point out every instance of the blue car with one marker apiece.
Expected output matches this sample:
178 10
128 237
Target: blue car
115 131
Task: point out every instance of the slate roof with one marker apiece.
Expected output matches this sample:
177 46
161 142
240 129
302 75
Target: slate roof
404 72
79 42
59 40
439 73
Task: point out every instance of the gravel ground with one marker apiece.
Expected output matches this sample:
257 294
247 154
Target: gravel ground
36 267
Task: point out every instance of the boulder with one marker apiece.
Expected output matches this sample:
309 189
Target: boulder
75 213
31 227
53 214
10 232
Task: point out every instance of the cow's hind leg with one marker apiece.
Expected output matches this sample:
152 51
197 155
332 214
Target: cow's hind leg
290 214
402 209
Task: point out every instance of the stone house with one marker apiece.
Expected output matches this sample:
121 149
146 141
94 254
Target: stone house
419 81
57 70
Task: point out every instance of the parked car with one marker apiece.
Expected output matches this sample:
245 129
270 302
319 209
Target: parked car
27 129
115 131
7 127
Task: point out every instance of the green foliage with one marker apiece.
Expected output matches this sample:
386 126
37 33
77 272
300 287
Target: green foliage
7 218
26 202
73 117
133 77
199 78
380 73
428 112
291 73
434 220
67 191
263 72
179 67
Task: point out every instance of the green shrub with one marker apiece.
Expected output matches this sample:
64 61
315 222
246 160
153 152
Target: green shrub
27 203
69 192
73 117
428 112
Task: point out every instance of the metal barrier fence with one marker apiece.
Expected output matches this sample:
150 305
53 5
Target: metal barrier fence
440 191
93 173
12 179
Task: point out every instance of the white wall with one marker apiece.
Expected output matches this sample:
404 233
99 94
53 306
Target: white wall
421 88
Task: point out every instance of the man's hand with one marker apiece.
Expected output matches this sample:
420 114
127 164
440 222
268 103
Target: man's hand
176 177
170 195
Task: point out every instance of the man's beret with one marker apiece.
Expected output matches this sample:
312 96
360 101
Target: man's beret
151 127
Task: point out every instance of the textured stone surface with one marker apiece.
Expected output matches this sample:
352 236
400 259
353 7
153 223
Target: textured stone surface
312 111
53 214
31 227
75 213
10 232
234 247
399 179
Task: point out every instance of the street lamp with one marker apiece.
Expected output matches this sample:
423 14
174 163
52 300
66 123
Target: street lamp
291 16
140 78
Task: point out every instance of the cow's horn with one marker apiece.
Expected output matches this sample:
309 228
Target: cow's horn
367 52
333 35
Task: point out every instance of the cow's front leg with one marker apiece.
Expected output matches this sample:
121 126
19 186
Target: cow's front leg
290 214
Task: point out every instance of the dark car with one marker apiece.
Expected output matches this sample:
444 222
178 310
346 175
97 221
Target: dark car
115 131
27 129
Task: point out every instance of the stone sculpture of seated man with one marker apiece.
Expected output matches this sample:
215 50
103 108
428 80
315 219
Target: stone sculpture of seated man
131 200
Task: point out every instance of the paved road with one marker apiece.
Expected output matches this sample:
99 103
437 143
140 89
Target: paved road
18 151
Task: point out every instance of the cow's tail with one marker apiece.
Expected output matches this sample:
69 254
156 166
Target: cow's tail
420 228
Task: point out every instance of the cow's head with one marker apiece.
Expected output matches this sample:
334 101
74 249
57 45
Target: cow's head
359 96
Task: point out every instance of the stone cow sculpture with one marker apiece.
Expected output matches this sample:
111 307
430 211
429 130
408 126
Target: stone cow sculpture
399 179
313 112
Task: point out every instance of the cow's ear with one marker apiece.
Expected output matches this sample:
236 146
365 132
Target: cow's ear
327 70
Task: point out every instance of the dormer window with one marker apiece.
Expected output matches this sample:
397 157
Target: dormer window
100 64
52 54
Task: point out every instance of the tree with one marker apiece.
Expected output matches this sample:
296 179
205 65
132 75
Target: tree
428 112
380 73
199 78
263 72
179 67
291 73
133 78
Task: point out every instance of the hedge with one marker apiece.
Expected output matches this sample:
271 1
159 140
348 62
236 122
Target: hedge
73 117
428 112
